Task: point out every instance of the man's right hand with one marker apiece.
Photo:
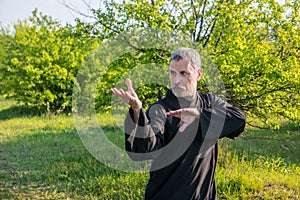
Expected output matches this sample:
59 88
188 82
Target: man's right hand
129 96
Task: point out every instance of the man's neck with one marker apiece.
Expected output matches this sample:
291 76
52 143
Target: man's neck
191 98
187 101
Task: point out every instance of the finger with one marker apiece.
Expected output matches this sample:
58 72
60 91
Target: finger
125 96
183 127
121 93
115 91
175 113
129 84
191 111
130 88
172 114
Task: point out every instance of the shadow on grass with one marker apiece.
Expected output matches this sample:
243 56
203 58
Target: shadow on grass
49 163
289 126
283 143
53 164
40 162
18 111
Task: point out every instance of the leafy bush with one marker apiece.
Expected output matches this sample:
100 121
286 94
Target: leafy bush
41 62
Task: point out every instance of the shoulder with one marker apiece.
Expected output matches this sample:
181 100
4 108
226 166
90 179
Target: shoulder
208 96
209 99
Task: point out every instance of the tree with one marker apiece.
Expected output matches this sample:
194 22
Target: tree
4 39
43 61
255 45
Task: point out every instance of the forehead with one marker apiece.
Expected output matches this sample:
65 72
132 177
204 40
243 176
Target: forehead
181 65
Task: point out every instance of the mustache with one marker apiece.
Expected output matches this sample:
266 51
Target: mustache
178 85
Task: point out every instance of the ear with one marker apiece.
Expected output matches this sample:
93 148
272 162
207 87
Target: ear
199 74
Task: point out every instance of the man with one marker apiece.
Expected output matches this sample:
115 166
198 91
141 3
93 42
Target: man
179 132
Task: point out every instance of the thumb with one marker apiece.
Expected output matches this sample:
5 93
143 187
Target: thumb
129 85
183 127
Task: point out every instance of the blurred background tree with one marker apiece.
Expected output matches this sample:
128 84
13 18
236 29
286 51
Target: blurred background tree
40 61
254 44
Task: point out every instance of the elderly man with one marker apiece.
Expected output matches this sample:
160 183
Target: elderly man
179 132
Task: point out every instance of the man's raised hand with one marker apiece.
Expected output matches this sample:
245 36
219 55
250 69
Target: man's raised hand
187 116
129 96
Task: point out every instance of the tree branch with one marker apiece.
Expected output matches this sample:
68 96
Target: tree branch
281 88
201 21
152 2
218 40
182 11
194 9
255 126
259 138
77 11
211 30
131 45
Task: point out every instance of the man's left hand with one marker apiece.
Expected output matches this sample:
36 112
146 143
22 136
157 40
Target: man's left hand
187 116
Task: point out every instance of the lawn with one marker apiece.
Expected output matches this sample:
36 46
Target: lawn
42 157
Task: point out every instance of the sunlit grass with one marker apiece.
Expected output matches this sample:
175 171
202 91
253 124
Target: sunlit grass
42 157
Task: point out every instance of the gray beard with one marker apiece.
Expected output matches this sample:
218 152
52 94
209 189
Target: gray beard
184 93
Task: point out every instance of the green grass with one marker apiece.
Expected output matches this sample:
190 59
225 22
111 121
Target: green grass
43 158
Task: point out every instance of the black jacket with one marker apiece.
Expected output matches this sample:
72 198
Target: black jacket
184 163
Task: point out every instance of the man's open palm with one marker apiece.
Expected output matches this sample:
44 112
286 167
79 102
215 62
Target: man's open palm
129 96
187 116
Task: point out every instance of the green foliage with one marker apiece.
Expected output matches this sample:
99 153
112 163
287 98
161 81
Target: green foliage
4 39
255 45
114 76
42 62
258 55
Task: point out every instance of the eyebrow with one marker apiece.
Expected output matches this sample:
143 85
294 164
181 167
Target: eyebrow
183 71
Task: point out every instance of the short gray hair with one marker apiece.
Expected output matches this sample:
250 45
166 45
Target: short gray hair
188 54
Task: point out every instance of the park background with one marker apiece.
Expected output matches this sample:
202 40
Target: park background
254 44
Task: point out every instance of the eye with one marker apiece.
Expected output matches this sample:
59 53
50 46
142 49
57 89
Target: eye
172 73
184 73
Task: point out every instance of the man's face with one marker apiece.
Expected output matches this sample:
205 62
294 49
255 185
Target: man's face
184 78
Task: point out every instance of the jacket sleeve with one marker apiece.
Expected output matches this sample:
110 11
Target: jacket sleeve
145 135
221 119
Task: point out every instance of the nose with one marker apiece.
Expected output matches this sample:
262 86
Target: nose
176 79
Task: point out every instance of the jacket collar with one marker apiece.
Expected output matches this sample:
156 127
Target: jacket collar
180 102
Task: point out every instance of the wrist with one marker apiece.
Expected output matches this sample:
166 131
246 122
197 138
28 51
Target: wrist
135 104
137 110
